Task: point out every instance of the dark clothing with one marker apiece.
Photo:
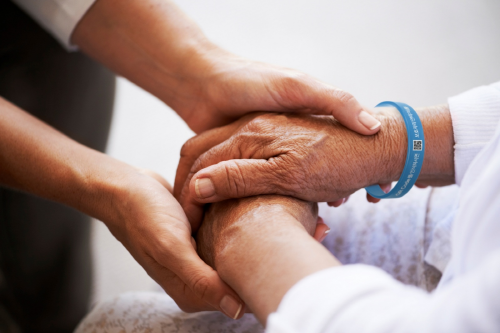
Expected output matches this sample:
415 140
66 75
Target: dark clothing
45 262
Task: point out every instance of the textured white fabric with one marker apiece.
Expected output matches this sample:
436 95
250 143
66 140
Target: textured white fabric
475 117
157 313
360 298
59 17
402 237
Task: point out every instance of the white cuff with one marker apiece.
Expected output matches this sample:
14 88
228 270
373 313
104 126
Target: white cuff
59 17
475 115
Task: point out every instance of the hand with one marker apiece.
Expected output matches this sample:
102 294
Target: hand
155 45
309 157
235 86
273 235
153 228
136 205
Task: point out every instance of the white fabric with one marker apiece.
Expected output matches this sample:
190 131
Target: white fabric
360 298
403 237
151 312
59 17
475 117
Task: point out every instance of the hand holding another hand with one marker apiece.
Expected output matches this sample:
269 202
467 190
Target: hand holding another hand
312 158
151 224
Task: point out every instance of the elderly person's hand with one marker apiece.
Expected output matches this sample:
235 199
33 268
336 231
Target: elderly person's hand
308 157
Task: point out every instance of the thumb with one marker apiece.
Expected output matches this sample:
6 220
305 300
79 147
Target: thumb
201 285
347 110
315 97
208 286
234 179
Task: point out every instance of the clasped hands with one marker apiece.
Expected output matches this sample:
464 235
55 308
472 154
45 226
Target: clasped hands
309 158
303 159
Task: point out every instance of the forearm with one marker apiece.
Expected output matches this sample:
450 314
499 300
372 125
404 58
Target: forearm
38 159
261 246
150 42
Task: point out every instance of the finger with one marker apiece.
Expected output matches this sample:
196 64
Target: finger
235 179
193 148
371 199
385 187
204 282
321 231
336 203
317 97
200 144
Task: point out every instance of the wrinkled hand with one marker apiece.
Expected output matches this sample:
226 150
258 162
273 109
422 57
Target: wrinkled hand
308 157
232 87
155 230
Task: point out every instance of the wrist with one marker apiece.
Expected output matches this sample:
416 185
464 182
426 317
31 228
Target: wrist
104 189
267 249
226 222
391 146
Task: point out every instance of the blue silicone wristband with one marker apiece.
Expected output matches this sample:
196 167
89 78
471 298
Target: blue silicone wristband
414 155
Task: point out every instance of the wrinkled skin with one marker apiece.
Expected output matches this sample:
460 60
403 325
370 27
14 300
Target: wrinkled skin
313 158
223 217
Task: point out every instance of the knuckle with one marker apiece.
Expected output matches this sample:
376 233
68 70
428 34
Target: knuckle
256 124
343 97
200 284
294 78
292 89
202 161
263 127
187 148
235 179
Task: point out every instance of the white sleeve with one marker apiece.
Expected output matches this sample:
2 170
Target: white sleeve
475 115
59 17
360 298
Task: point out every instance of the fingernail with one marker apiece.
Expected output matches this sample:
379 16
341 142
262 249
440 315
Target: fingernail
204 188
230 306
324 235
368 120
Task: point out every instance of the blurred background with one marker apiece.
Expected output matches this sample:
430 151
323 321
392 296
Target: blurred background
419 52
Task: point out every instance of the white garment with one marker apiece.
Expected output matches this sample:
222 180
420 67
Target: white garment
361 298
59 17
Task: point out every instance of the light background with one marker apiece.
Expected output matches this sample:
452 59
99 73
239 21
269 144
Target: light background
419 52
